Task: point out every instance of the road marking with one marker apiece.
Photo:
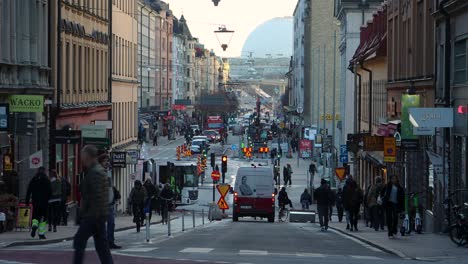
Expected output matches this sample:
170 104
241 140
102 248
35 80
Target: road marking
311 255
196 250
13 262
357 241
139 249
366 257
253 252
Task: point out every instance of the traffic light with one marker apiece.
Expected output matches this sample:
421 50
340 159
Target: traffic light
25 126
224 164
213 161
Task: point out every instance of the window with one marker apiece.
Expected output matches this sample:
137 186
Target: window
460 63
188 87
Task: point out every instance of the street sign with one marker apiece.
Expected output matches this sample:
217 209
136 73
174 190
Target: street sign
223 189
133 156
215 175
344 158
344 150
119 159
389 149
234 147
340 173
397 137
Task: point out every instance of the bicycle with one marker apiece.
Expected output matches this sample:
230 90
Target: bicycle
283 214
458 231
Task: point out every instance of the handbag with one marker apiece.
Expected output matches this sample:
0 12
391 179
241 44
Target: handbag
379 200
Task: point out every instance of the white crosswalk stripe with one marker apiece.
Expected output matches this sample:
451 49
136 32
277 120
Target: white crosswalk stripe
253 252
138 249
365 257
196 250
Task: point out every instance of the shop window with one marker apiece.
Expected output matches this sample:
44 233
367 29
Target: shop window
460 63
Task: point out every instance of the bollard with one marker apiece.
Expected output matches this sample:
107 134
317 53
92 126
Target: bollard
147 227
203 216
168 223
183 220
193 217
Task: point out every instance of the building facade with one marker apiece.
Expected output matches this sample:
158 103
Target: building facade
82 78
124 89
24 71
352 14
451 35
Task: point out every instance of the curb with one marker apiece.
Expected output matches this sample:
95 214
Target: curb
171 141
370 243
57 240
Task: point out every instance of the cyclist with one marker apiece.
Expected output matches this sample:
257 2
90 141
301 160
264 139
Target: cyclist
283 200
166 197
137 200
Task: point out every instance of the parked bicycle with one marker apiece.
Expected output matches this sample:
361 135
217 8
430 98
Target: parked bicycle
458 224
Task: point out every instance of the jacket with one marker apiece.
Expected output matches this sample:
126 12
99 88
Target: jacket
339 199
323 196
400 196
151 190
305 197
39 190
138 195
56 190
66 189
94 193
352 195
374 192
167 194
283 197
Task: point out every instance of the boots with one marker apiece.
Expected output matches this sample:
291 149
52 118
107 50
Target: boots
35 224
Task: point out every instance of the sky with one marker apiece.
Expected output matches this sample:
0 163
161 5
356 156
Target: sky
242 16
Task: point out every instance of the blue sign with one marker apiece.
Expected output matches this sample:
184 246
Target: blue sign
343 150
344 158
234 147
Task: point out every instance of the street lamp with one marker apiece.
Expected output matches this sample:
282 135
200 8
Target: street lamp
299 110
224 36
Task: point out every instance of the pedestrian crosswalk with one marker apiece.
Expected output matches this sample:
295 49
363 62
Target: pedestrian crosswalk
201 251
12 262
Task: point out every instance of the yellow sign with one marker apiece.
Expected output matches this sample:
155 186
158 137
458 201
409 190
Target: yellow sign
222 204
7 162
390 149
329 117
340 173
23 216
223 189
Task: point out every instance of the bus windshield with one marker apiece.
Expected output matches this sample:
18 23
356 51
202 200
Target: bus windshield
215 125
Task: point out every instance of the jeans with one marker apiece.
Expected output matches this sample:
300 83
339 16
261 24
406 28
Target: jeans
353 217
377 217
111 225
348 216
392 218
54 214
305 205
96 228
340 213
323 215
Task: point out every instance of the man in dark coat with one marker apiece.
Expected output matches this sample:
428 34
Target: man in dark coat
393 202
94 208
339 204
323 195
39 190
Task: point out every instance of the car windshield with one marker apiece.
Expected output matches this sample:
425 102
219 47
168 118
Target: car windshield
197 142
215 125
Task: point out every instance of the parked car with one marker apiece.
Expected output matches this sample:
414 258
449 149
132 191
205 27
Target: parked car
198 145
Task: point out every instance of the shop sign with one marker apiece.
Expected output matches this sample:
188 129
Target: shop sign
100 143
408 101
423 131
92 131
4 112
133 156
373 143
106 123
305 148
431 117
26 103
7 162
36 160
389 149
67 136
410 144
119 159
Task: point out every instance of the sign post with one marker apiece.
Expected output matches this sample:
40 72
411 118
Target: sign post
215 176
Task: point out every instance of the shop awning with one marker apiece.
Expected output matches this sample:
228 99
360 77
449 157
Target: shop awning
375 157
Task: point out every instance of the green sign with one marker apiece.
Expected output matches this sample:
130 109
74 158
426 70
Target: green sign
408 101
26 103
100 143
92 131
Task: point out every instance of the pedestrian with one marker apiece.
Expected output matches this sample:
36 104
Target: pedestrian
166 199
347 199
66 192
276 174
367 215
54 201
285 174
306 200
312 170
155 138
94 208
39 191
152 193
393 201
137 199
354 199
332 201
322 196
374 203
290 172
339 204
114 196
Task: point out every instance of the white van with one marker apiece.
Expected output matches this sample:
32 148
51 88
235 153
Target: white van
254 193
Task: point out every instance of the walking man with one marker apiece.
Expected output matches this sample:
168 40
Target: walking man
393 201
322 196
374 202
66 191
94 208
40 191
54 201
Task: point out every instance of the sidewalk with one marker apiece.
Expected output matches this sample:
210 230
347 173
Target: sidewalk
427 246
23 238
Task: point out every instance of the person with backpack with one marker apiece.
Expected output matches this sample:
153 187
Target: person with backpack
374 203
137 199
54 201
322 195
152 192
339 204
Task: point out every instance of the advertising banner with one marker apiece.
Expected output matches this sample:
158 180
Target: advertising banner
119 159
408 101
36 160
26 103
4 112
23 216
431 117
305 148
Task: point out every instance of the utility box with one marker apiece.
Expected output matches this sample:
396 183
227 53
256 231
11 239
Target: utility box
302 216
